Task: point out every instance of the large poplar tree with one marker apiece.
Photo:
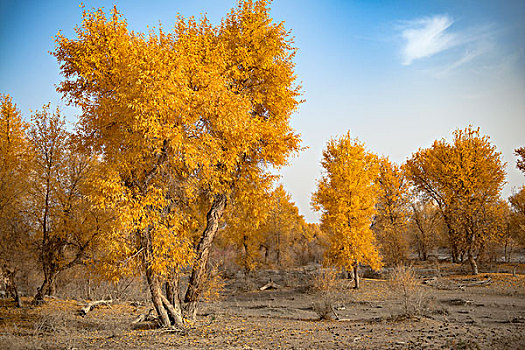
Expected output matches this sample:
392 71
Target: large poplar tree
182 121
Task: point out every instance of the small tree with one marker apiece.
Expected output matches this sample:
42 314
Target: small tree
517 216
66 224
346 196
426 227
390 222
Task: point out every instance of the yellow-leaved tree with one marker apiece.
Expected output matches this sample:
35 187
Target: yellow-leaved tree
393 211
182 121
66 224
268 231
464 178
346 196
425 225
15 160
517 216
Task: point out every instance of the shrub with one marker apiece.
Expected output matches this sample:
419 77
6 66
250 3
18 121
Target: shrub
403 281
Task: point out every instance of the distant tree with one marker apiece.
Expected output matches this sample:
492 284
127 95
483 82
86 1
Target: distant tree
426 225
393 211
520 162
464 178
283 228
346 197
517 216
244 219
271 233
15 160
66 225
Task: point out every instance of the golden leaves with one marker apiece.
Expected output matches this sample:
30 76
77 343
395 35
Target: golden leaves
180 116
346 196
464 178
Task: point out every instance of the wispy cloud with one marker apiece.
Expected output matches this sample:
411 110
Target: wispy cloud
426 37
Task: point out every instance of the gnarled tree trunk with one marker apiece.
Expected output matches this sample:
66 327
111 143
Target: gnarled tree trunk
48 286
198 274
9 275
169 314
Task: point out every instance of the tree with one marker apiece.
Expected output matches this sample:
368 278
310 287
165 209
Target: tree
517 216
65 223
283 228
390 223
346 196
464 178
520 162
182 121
15 159
270 233
244 221
426 226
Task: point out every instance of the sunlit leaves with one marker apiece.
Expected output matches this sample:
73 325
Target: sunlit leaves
464 178
346 196
178 117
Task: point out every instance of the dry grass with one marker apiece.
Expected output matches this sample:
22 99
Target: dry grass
325 286
404 282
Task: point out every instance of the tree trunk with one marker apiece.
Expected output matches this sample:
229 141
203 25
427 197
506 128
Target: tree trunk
47 287
198 274
356 275
473 264
173 297
169 314
156 297
9 275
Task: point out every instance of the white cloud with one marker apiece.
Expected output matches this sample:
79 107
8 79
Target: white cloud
426 37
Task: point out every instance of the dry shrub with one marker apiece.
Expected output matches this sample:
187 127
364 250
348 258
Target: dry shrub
324 284
404 282
325 281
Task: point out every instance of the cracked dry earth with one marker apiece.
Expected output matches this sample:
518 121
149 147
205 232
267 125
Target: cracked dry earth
488 316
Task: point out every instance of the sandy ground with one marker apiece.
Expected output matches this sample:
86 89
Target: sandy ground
452 315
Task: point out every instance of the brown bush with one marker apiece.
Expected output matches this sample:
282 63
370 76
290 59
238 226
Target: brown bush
404 282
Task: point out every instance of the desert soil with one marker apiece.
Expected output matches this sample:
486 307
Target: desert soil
453 314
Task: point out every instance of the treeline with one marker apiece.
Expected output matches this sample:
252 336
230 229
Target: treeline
447 195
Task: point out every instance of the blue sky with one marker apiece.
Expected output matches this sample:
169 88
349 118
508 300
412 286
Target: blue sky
397 74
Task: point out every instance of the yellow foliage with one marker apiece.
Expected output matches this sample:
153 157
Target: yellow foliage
346 196
15 158
464 178
177 118
390 223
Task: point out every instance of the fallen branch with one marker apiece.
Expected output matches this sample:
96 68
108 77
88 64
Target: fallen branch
147 317
477 283
93 304
270 285
430 281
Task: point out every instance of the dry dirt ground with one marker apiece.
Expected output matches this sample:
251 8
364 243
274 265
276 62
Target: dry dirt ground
454 314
